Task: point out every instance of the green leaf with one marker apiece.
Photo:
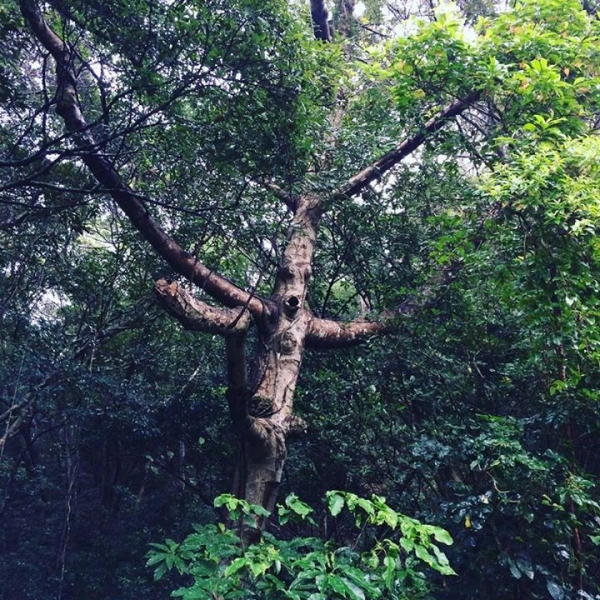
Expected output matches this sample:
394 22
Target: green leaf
424 555
355 592
361 579
442 536
160 571
297 506
154 559
258 568
525 567
336 584
555 590
236 565
335 503
389 571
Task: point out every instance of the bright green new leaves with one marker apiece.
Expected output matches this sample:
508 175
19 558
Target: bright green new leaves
532 134
415 536
551 188
538 59
308 568
541 60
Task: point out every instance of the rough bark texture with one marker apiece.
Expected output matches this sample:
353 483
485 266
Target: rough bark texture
196 315
324 334
269 414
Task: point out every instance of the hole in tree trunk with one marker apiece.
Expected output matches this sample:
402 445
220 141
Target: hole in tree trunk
291 305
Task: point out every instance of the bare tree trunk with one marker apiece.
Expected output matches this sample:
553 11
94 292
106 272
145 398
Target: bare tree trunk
267 417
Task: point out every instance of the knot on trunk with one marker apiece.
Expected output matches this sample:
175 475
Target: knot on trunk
265 442
260 406
286 272
287 343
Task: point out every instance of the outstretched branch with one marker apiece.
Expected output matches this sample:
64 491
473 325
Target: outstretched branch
217 286
196 315
325 334
374 171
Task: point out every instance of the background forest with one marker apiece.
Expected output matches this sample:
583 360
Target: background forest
451 153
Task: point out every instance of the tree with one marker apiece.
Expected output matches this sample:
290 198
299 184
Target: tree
224 126
261 409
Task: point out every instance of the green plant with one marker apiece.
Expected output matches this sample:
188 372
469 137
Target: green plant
388 558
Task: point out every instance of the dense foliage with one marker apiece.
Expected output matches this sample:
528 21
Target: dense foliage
476 416
305 568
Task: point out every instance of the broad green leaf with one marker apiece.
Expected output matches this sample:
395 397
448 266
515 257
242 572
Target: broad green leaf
335 503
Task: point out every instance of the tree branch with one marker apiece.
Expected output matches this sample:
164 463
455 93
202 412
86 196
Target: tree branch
320 20
325 334
357 183
12 429
285 197
102 169
196 315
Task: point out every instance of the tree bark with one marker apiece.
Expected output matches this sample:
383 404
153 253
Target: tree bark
268 415
320 20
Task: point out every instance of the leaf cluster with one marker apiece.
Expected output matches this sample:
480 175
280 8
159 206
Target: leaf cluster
307 567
